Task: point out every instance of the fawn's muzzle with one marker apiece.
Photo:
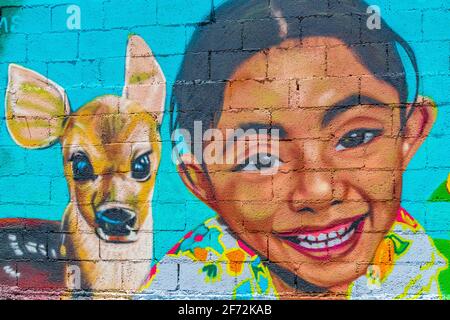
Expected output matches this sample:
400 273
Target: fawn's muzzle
116 225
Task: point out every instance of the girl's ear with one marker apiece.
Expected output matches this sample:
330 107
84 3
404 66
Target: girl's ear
195 179
418 126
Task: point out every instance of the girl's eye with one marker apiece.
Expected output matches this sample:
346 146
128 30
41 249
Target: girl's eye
263 163
82 168
357 138
140 168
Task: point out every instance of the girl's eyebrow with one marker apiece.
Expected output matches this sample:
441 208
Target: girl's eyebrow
244 129
257 126
347 104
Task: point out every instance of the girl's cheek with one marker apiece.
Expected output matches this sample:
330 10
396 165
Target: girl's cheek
384 214
244 187
385 155
256 217
243 217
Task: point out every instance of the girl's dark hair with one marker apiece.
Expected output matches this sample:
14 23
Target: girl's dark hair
240 28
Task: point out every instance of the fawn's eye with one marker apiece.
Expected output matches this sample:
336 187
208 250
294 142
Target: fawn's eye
82 168
357 138
140 168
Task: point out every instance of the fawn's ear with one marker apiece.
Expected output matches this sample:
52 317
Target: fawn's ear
144 79
35 108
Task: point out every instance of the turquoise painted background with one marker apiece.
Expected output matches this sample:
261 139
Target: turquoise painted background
32 183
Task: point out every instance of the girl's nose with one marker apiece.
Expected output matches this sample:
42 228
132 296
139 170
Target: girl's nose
315 155
314 187
317 196
313 191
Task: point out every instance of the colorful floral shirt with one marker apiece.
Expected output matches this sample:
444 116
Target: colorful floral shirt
210 263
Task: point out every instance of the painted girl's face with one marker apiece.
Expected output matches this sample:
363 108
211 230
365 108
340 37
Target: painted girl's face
320 207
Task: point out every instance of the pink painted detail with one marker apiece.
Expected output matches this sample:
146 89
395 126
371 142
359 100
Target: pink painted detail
404 217
188 235
244 247
174 249
153 271
198 238
328 252
334 228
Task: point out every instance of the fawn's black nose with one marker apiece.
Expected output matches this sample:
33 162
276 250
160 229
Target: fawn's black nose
116 221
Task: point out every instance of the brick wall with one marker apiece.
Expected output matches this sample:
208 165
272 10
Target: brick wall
81 46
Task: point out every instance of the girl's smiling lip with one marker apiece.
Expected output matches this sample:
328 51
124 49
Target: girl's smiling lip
328 241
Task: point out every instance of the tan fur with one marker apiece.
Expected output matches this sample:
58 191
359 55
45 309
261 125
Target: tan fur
111 132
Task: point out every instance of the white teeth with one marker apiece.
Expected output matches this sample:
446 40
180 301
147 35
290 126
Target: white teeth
332 235
318 245
348 235
322 237
306 245
334 243
325 240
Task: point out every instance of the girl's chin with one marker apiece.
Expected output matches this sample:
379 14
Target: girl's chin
335 279
333 275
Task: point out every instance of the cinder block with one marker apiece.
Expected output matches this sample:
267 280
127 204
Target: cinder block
433 57
169 216
435 25
395 5
103 44
123 13
13 48
12 161
17 189
194 11
163 40
39 15
230 36
265 33
58 46
410 22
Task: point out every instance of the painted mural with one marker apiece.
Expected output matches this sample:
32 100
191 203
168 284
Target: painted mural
251 149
